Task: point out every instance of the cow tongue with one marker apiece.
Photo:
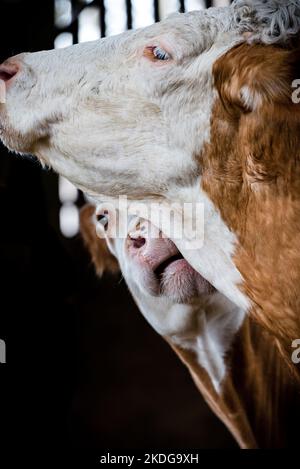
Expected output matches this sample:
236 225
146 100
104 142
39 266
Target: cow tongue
2 92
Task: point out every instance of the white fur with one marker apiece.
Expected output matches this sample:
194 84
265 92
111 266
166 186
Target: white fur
214 260
207 327
250 98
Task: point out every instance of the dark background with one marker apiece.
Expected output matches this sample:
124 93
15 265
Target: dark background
84 369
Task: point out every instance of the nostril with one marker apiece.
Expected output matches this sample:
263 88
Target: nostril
138 243
7 72
5 76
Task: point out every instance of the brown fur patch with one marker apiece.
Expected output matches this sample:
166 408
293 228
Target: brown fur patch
102 258
251 172
259 402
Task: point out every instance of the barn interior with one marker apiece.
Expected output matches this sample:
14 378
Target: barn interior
83 368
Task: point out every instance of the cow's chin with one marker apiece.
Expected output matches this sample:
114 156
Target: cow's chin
18 141
176 280
13 139
181 283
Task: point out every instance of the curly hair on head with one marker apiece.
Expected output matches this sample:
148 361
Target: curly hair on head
268 21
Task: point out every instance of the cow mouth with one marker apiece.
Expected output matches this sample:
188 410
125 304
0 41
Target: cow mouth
160 270
177 280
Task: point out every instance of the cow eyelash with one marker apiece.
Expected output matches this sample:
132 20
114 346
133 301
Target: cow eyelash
160 54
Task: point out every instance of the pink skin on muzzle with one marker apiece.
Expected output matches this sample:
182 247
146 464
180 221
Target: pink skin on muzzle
8 71
161 267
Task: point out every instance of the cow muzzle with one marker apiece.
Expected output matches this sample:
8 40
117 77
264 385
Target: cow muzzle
9 71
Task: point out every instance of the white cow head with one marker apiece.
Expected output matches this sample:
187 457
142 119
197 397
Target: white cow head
128 114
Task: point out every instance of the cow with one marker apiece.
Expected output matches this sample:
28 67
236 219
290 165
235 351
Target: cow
197 108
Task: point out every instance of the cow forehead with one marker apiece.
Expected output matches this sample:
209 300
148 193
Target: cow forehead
193 29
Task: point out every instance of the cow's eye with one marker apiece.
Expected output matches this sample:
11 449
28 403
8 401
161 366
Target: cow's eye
160 53
103 219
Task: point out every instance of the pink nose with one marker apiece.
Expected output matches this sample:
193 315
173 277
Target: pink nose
8 70
139 239
150 247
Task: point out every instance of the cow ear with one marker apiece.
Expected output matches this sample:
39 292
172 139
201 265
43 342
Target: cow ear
102 258
268 21
250 76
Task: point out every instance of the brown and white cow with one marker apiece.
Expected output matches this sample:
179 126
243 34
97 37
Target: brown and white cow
198 109
233 361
